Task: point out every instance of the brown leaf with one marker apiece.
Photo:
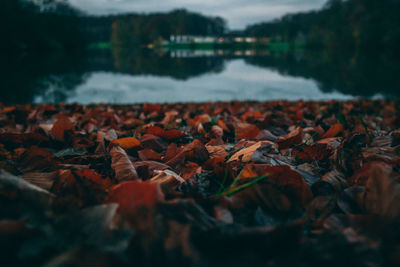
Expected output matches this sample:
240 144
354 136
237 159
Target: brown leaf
168 181
217 151
168 135
382 192
134 194
246 154
196 151
63 125
148 154
122 165
246 131
43 180
94 177
37 159
295 137
334 131
291 180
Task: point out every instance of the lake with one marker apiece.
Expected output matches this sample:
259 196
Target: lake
124 75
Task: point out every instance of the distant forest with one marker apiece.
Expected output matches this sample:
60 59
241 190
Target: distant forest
47 25
346 24
54 24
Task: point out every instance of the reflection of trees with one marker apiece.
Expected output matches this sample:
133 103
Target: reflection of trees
24 79
362 74
52 76
357 74
147 62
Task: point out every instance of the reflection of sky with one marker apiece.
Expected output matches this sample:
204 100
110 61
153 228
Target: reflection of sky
239 81
238 13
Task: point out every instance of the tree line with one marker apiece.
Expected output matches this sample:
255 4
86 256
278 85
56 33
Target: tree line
49 25
347 24
147 28
45 25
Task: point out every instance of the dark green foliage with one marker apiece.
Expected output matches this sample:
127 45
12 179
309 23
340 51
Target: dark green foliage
145 29
48 26
352 24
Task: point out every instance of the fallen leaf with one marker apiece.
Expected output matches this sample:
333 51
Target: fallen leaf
126 143
59 128
134 194
295 137
334 131
246 154
216 151
122 165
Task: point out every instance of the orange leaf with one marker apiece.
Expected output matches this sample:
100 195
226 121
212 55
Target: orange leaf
251 114
333 131
223 126
249 171
126 143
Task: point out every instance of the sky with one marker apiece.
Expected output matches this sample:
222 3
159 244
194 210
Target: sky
238 13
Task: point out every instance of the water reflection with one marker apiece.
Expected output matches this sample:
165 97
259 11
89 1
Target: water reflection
238 81
123 75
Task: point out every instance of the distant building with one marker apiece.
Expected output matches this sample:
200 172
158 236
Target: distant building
192 39
195 39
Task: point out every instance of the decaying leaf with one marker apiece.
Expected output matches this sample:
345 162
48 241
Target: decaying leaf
122 165
59 128
246 154
201 184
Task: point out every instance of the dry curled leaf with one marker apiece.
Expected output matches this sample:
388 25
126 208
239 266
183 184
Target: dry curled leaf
246 154
122 165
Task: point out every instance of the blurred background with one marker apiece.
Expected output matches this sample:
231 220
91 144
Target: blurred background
131 51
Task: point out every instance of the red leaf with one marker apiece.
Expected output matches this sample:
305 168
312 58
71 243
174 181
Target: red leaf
133 194
295 137
148 154
246 131
94 177
168 135
173 134
60 127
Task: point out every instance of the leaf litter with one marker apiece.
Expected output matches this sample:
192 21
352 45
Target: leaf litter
214 184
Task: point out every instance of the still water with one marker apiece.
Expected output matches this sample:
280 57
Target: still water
238 81
124 76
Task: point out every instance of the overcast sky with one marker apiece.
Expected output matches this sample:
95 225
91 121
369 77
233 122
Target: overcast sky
238 13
